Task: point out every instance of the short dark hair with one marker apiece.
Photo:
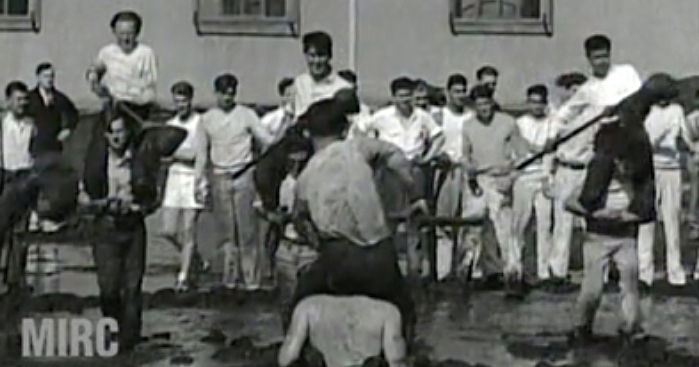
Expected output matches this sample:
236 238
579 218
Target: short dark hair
225 82
487 70
321 41
43 66
284 84
420 84
127 16
481 91
348 75
182 88
455 79
597 42
570 80
539 90
402 83
324 118
15 86
129 125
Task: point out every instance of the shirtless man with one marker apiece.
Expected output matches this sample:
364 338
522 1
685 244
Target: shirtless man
346 330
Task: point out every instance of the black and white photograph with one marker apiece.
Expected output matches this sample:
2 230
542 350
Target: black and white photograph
349 183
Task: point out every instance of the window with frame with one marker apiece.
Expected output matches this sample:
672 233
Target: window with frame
247 17
502 17
20 15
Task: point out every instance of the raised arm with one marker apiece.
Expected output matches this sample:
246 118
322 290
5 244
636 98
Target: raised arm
295 337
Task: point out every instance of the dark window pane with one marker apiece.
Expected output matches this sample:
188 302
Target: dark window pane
18 7
2 7
498 9
230 7
252 7
531 9
275 8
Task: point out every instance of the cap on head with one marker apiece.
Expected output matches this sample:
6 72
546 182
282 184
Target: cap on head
226 83
597 42
320 41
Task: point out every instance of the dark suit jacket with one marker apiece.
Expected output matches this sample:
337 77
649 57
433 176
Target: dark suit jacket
50 120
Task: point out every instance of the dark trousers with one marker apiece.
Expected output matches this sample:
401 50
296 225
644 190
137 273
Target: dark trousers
119 250
627 147
16 220
344 268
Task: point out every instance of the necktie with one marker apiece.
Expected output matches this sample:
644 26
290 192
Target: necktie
48 98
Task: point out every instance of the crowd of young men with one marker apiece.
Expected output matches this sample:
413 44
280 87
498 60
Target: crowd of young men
363 167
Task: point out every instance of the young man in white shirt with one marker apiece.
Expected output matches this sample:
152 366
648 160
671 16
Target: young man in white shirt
224 141
665 125
491 144
16 135
320 81
180 208
126 71
282 117
452 119
607 86
419 137
364 110
532 187
18 131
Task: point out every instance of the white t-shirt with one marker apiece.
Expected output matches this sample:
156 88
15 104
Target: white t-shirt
410 134
453 128
308 91
130 77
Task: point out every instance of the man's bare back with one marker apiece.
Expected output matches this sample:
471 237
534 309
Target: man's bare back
346 330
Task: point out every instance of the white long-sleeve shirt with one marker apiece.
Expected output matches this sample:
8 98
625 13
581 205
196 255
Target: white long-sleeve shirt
589 101
130 77
664 126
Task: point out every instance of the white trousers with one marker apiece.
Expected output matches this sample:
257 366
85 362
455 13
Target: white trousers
528 195
565 182
668 189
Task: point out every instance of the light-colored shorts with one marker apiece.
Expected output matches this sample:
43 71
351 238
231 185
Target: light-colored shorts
179 191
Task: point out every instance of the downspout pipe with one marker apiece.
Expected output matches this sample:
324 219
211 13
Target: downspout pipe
352 55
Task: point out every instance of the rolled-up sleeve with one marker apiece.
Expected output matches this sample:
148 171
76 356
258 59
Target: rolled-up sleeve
390 156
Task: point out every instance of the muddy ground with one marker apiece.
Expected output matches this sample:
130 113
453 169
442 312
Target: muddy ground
466 326
457 327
